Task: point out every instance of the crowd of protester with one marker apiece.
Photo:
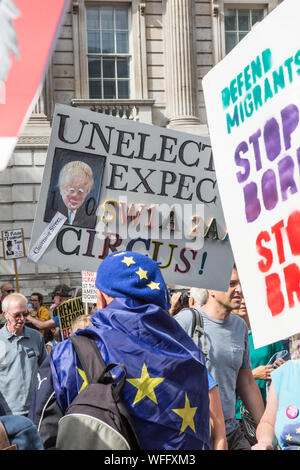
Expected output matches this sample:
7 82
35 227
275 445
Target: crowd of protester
250 402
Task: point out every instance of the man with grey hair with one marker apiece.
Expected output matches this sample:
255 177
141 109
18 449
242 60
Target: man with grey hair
198 296
75 182
22 350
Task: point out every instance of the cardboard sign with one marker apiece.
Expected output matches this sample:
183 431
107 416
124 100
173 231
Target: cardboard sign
89 293
253 106
123 185
27 36
67 312
13 244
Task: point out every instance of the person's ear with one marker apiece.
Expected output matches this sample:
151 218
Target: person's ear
191 301
101 300
4 314
211 293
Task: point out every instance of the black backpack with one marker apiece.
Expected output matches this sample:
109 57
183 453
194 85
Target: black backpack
198 330
97 418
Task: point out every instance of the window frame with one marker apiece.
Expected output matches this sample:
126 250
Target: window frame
112 55
238 8
138 82
218 20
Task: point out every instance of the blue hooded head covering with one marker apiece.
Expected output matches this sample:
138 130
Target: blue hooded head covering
131 274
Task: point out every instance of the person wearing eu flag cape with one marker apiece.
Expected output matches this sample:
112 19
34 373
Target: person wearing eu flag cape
166 390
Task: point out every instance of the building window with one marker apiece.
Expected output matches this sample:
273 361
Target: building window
110 58
108 52
238 22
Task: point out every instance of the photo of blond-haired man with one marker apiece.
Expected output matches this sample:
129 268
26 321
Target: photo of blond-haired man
75 187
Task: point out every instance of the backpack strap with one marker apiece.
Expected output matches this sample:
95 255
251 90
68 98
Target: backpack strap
4 441
89 357
94 366
98 372
198 330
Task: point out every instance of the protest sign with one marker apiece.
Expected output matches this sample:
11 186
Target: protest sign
89 293
13 243
124 185
13 248
27 37
67 312
253 101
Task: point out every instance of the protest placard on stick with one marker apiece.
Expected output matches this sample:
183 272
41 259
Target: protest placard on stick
13 248
89 294
67 312
253 106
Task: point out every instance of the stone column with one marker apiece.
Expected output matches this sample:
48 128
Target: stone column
180 63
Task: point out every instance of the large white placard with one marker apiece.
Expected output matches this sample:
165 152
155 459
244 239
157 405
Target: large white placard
253 107
124 185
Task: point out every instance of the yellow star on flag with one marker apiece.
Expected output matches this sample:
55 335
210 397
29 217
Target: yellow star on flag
84 378
154 285
288 437
145 385
142 274
128 260
298 431
187 414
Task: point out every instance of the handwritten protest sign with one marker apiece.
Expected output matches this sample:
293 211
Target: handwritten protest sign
89 293
253 104
13 243
27 36
67 312
123 185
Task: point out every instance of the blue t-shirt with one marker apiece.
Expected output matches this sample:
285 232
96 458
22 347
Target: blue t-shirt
286 380
228 352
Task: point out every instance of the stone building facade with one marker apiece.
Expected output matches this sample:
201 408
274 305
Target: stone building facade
137 59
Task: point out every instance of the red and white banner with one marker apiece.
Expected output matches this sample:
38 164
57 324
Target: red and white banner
28 30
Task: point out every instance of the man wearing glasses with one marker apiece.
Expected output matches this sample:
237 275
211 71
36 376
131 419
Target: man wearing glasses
22 350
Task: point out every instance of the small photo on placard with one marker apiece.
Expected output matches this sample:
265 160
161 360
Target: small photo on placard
75 187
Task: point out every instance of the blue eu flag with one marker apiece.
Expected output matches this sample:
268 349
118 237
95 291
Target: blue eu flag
166 391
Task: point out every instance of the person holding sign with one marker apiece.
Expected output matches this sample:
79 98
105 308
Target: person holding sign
75 182
166 386
60 295
39 310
